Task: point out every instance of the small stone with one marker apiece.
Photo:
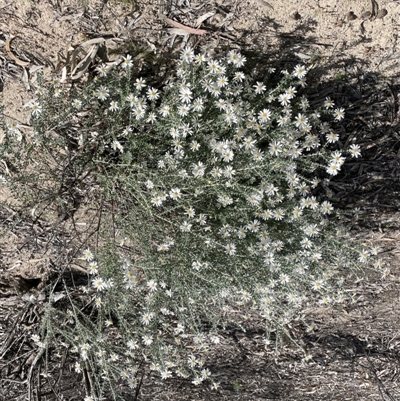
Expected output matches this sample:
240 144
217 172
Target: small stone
296 16
351 16
365 15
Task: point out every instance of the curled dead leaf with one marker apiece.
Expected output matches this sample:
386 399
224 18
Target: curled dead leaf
11 55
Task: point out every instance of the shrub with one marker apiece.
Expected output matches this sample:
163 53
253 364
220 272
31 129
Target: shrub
207 191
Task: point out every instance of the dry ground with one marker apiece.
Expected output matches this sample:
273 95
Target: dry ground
356 351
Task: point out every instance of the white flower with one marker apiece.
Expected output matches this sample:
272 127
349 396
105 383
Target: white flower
175 193
284 99
355 151
230 249
329 103
152 94
113 106
93 268
198 169
187 55
332 137
300 71
301 120
291 91
275 148
77 104
127 61
99 284
147 340
264 115
147 318
339 114
36 108
102 93
185 227
87 255
102 70
239 76
259 87
185 95
140 83
333 169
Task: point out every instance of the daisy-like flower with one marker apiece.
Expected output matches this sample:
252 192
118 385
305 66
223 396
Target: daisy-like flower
185 95
229 172
213 66
198 105
117 145
200 58
138 112
140 83
239 76
77 104
284 99
284 278
301 120
275 148
339 114
102 93
183 110
233 57
93 267
332 137
300 71
147 318
36 108
147 340
337 158
355 150
326 207
127 62
113 106
102 70
194 146
165 110
215 90
198 169
151 118
87 255
329 103
187 55
291 91
55 82
364 255
175 193
132 345
230 249
156 201
99 284
264 115
333 169
222 81
185 227
152 94
259 88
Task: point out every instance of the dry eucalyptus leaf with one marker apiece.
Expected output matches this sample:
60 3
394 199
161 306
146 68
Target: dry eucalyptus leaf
84 64
201 19
188 29
11 55
264 4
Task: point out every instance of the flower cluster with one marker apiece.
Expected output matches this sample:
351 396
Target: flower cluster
216 176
